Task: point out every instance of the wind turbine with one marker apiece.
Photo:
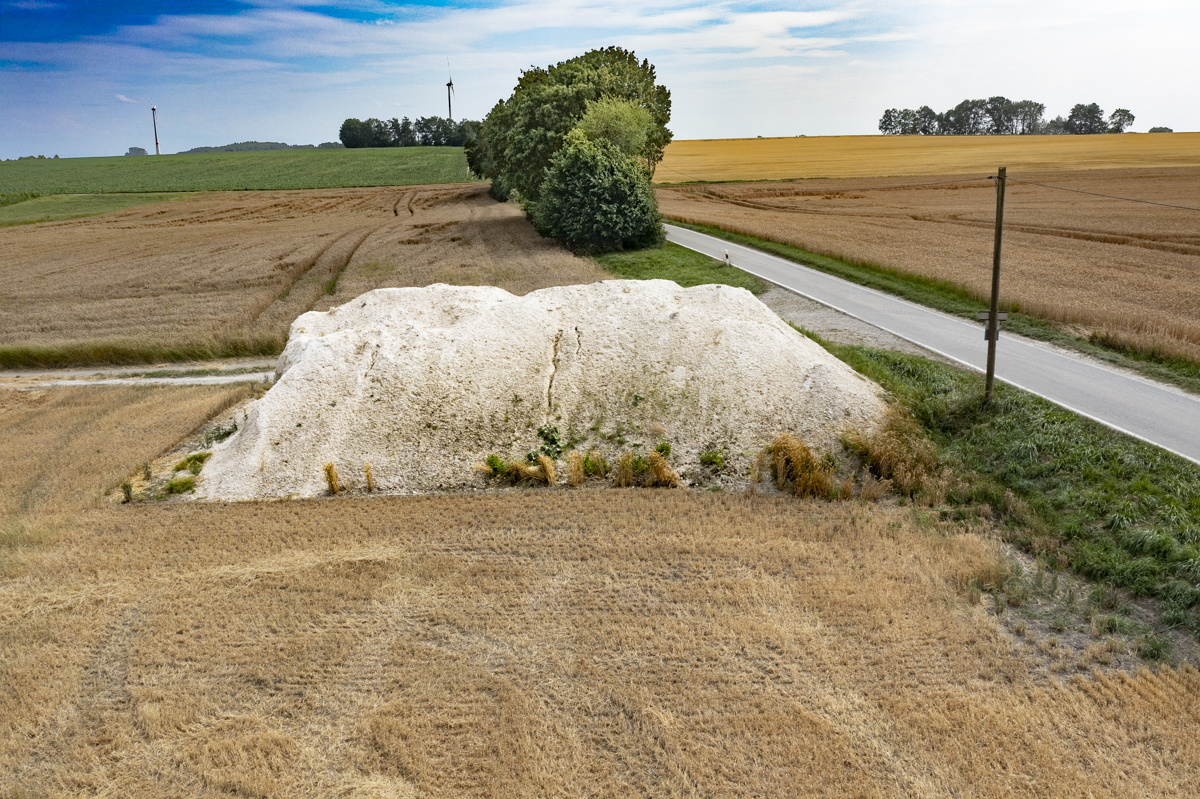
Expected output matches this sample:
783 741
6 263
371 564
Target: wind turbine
154 119
449 92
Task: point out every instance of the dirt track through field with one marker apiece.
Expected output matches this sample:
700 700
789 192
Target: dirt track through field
1130 271
225 268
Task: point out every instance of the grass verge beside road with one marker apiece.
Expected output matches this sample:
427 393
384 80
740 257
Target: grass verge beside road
1070 491
672 262
956 300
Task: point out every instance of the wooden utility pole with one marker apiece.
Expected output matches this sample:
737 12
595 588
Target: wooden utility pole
993 328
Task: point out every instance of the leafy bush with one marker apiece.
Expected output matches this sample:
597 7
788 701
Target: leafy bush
520 135
597 199
621 122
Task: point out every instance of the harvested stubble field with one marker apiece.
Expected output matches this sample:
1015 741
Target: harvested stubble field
871 156
225 273
528 643
1127 273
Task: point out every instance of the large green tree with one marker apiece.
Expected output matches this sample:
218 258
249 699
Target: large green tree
520 136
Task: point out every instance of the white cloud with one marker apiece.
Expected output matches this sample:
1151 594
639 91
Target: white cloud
124 99
281 70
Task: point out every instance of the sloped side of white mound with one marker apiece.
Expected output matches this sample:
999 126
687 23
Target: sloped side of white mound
424 383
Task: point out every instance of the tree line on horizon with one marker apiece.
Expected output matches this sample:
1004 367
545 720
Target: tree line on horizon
423 132
999 116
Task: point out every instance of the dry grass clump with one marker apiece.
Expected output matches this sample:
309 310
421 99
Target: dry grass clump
661 473
600 643
897 451
227 273
331 478
370 477
575 470
541 470
1122 273
795 468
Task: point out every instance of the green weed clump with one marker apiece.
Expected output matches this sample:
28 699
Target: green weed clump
193 463
595 465
713 459
181 485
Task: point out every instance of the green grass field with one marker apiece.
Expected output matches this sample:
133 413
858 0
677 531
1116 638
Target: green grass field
57 207
263 171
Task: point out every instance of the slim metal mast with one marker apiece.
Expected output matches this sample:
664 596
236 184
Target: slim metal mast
154 117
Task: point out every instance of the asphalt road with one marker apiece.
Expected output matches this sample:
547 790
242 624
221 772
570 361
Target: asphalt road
1156 413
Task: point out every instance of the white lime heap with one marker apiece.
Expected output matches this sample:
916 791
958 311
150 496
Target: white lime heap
425 383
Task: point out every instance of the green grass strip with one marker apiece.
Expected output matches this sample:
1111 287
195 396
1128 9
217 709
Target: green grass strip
954 299
1073 492
120 353
59 207
672 262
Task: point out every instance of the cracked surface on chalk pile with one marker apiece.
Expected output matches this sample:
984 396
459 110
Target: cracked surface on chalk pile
424 383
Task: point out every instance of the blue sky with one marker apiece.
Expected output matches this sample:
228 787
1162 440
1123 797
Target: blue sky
77 78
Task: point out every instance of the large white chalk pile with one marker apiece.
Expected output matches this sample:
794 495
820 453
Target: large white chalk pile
424 383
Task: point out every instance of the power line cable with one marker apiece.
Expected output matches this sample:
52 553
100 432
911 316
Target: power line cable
1097 194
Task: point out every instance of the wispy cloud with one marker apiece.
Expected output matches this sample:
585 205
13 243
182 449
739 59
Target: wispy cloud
292 70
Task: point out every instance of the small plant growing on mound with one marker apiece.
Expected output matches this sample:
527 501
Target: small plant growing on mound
623 474
181 485
552 445
594 465
795 465
370 477
713 459
127 490
193 463
331 478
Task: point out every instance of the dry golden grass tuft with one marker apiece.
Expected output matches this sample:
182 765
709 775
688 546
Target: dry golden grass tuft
900 454
226 273
331 478
798 470
871 156
1122 272
607 643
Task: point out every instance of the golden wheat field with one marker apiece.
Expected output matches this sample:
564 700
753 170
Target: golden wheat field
875 156
528 643
229 270
1130 272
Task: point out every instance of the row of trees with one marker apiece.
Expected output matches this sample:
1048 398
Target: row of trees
577 144
1001 116
424 132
